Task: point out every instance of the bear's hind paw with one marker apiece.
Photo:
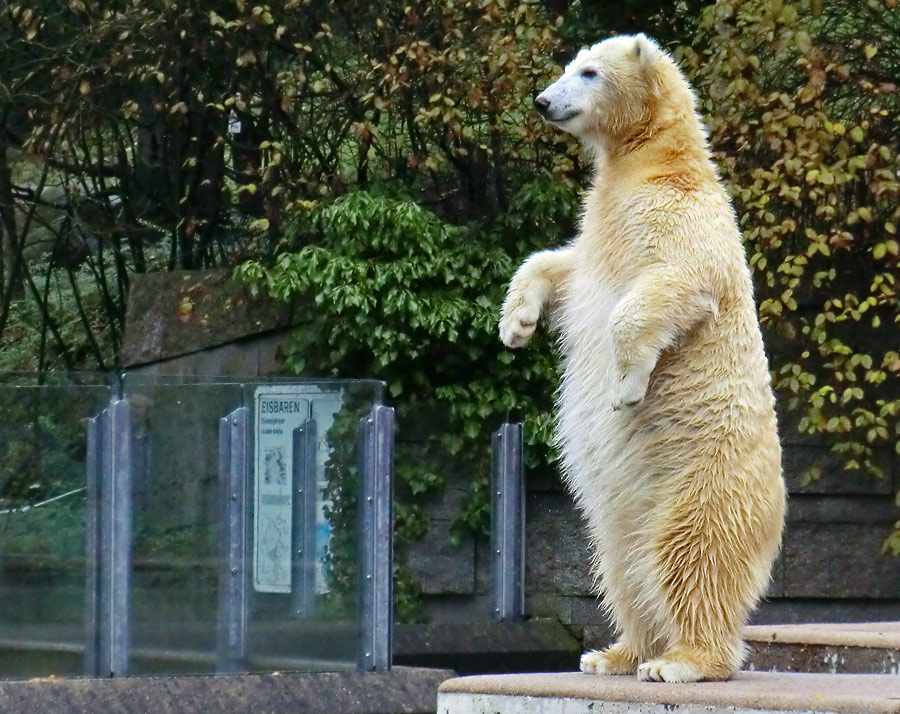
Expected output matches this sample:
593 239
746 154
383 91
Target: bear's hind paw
661 670
680 667
614 660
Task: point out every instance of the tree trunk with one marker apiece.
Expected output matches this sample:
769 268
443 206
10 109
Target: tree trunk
10 274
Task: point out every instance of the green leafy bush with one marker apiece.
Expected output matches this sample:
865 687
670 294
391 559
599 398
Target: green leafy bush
802 105
389 290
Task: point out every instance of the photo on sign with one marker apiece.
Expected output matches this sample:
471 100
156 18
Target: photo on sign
275 565
276 470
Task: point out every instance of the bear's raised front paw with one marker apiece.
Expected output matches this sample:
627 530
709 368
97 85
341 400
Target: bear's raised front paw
632 388
517 326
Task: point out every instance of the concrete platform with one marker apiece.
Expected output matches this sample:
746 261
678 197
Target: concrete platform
853 648
401 691
758 692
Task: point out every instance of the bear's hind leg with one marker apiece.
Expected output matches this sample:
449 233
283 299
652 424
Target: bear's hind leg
713 563
638 640
624 593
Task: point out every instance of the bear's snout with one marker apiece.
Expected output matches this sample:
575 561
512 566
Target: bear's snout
542 104
555 106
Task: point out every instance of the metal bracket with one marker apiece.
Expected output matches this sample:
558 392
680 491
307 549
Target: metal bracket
108 556
508 525
231 637
303 522
376 530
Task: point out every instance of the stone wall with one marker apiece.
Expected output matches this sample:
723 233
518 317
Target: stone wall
830 568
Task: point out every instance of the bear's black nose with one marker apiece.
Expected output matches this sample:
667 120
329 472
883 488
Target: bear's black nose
542 104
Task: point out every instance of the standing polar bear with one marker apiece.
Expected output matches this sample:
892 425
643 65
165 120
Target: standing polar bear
666 414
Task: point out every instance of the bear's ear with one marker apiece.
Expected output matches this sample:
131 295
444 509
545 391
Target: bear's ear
645 50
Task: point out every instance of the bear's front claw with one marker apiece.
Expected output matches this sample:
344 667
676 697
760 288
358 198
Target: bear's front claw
517 328
632 388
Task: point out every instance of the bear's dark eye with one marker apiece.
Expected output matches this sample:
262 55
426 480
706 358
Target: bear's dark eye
588 73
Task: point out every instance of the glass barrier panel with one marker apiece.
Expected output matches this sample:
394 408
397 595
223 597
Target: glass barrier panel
305 603
259 578
42 521
175 551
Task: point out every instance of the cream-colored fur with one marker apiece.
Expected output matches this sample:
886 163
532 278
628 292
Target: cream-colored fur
666 414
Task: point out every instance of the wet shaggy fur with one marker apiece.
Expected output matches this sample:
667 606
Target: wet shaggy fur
666 414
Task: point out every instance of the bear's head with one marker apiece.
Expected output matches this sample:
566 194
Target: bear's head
613 89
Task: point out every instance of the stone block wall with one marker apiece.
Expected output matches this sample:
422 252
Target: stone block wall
831 567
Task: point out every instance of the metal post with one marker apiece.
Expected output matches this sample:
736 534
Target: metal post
231 639
508 525
376 523
95 427
303 521
115 547
109 539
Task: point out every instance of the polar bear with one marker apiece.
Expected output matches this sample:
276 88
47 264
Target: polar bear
666 417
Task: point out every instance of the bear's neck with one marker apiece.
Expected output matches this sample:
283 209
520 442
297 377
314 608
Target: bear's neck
669 136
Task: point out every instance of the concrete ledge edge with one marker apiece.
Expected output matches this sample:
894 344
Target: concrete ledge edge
876 635
756 691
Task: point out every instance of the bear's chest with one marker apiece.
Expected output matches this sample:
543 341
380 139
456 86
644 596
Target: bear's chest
589 298
608 257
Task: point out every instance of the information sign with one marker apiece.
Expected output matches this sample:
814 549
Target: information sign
279 409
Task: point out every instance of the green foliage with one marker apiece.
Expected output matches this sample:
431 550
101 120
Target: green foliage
42 446
42 453
201 126
65 329
397 293
341 495
32 539
802 106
